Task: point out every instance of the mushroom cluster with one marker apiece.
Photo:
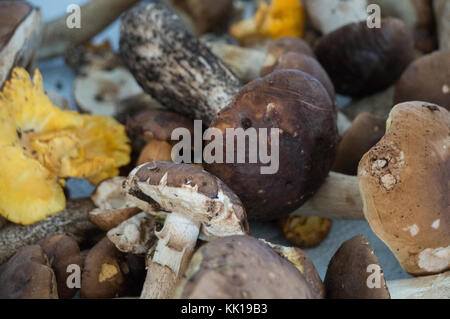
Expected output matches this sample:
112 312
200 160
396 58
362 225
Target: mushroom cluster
351 109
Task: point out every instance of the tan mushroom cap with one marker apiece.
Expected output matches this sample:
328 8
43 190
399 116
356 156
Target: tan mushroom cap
12 14
404 183
239 267
190 191
349 270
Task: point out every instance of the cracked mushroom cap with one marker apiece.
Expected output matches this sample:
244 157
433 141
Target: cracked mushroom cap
404 183
238 267
188 190
297 106
361 61
349 270
27 275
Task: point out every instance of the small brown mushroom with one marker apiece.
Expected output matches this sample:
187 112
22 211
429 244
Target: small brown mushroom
112 205
305 231
361 61
198 204
241 267
20 25
349 270
367 129
104 272
297 106
426 79
62 251
354 272
307 64
277 48
27 275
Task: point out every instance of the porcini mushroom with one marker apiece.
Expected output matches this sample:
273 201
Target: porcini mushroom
20 25
62 251
372 60
411 219
299 107
27 275
426 79
239 267
196 202
354 272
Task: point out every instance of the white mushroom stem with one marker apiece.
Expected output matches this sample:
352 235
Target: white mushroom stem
173 252
338 198
244 62
95 16
429 287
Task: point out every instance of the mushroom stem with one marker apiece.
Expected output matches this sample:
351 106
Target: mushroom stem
338 198
173 252
95 16
244 62
428 287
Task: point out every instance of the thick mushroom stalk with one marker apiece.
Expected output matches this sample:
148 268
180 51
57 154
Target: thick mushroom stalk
196 201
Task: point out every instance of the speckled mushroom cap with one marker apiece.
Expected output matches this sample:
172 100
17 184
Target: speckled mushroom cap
426 79
300 108
349 270
188 190
361 61
404 183
239 267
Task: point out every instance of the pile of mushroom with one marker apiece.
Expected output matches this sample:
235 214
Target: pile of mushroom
358 127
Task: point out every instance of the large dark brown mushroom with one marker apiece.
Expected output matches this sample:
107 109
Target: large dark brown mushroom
299 107
362 60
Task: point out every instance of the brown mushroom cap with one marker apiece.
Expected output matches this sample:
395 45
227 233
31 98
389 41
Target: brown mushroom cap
102 275
188 190
112 205
404 183
241 267
366 130
62 251
426 79
27 275
307 64
347 273
299 106
361 61
277 48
